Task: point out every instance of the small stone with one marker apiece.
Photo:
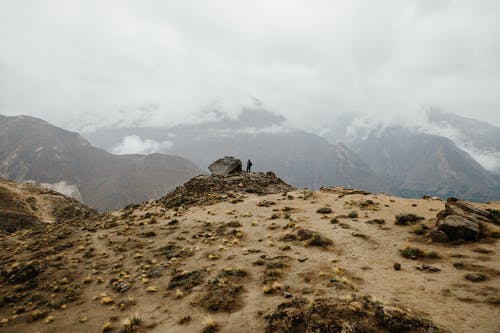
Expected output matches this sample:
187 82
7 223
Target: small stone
122 287
397 266
302 259
476 277
286 294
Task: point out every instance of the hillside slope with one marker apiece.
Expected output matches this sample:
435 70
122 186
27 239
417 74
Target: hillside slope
243 256
23 206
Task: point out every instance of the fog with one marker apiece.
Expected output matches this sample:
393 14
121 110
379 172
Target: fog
89 64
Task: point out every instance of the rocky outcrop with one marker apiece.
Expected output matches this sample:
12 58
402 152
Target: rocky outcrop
462 221
225 166
206 190
457 227
345 315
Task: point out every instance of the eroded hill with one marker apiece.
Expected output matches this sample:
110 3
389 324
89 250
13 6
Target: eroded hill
235 254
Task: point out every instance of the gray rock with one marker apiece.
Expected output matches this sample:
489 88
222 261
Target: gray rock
439 236
457 227
225 166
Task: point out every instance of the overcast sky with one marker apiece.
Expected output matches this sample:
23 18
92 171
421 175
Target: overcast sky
77 63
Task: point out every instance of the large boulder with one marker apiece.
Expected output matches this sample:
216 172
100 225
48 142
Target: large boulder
457 227
225 166
461 220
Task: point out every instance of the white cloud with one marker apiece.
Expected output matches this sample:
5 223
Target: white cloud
88 63
134 144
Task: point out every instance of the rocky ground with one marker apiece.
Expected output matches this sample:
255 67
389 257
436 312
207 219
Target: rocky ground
249 253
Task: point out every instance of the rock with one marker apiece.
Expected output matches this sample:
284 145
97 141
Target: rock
438 236
457 227
476 277
462 221
207 190
286 294
121 287
225 166
427 268
302 259
397 266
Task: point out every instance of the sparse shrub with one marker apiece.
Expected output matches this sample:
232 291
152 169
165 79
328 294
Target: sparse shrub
186 280
324 210
476 277
431 255
353 215
266 203
421 229
376 221
107 327
210 326
495 215
131 325
407 219
37 314
184 320
416 253
179 293
318 240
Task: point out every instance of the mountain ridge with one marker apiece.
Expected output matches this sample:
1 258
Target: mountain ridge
34 150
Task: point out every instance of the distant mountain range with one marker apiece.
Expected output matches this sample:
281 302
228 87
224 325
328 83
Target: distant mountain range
446 157
439 159
300 158
480 139
415 164
32 150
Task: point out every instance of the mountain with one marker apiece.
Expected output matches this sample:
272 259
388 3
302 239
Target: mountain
408 160
480 139
32 150
301 158
416 163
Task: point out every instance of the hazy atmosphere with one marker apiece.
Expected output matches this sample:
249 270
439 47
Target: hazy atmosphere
88 64
250 166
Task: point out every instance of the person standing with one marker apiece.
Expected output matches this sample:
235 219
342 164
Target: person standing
249 165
